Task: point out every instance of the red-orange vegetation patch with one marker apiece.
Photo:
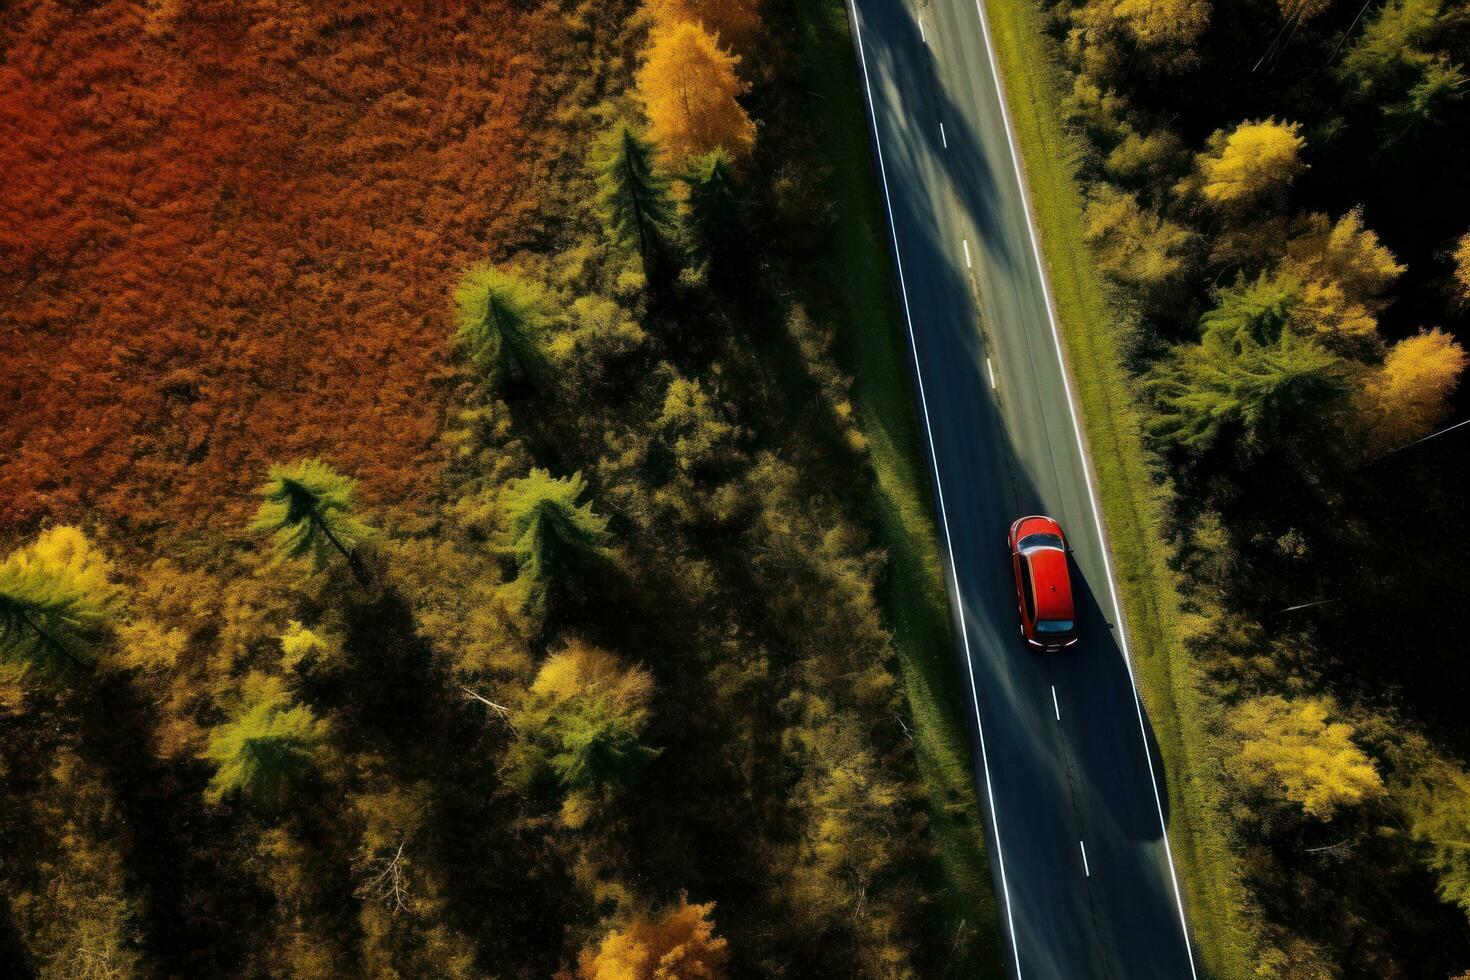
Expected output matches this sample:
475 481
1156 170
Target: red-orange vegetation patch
228 231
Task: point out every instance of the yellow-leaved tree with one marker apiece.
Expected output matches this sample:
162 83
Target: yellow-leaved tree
1345 252
732 21
1132 244
679 945
689 86
1406 397
1292 753
1156 23
1461 255
1344 271
1241 167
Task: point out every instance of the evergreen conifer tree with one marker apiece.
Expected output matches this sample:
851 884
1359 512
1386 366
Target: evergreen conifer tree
308 510
55 598
499 317
265 747
552 535
633 195
714 216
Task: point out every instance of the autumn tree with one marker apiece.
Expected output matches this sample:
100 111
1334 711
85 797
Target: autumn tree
1158 23
1133 245
553 535
693 427
714 214
693 454
499 317
1246 165
265 747
1248 369
56 596
581 725
1406 397
1461 257
309 510
1438 804
1341 272
1107 35
680 944
689 86
1343 252
633 196
732 21
1291 752
1146 158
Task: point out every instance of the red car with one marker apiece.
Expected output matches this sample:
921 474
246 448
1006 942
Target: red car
1043 586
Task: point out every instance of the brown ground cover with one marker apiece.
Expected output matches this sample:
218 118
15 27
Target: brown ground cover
228 232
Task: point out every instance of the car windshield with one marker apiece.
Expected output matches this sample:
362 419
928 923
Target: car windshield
1054 626
1039 541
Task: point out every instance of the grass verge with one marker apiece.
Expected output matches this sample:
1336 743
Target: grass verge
874 350
1133 502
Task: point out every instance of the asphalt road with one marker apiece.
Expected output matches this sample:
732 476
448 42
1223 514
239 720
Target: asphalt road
1066 767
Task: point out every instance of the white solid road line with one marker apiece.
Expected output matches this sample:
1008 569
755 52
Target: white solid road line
966 243
942 138
1085 869
1054 706
990 371
938 487
1056 337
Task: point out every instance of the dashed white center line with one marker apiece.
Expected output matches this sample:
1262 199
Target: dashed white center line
966 243
943 139
1054 706
1085 869
991 371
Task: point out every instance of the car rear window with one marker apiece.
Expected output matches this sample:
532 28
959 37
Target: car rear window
1054 626
1039 541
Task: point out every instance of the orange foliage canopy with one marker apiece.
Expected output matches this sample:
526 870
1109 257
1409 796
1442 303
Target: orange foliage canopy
689 86
681 945
733 21
228 234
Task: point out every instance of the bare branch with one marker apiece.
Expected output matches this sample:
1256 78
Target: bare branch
500 710
390 884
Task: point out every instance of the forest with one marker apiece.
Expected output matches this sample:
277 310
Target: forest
434 535
1274 199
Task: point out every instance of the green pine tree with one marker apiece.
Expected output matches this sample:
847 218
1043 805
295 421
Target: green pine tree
552 535
714 214
308 510
266 746
499 318
633 195
55 599
1427 101
1249 369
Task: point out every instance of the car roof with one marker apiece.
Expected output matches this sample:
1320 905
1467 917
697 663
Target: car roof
1052 582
